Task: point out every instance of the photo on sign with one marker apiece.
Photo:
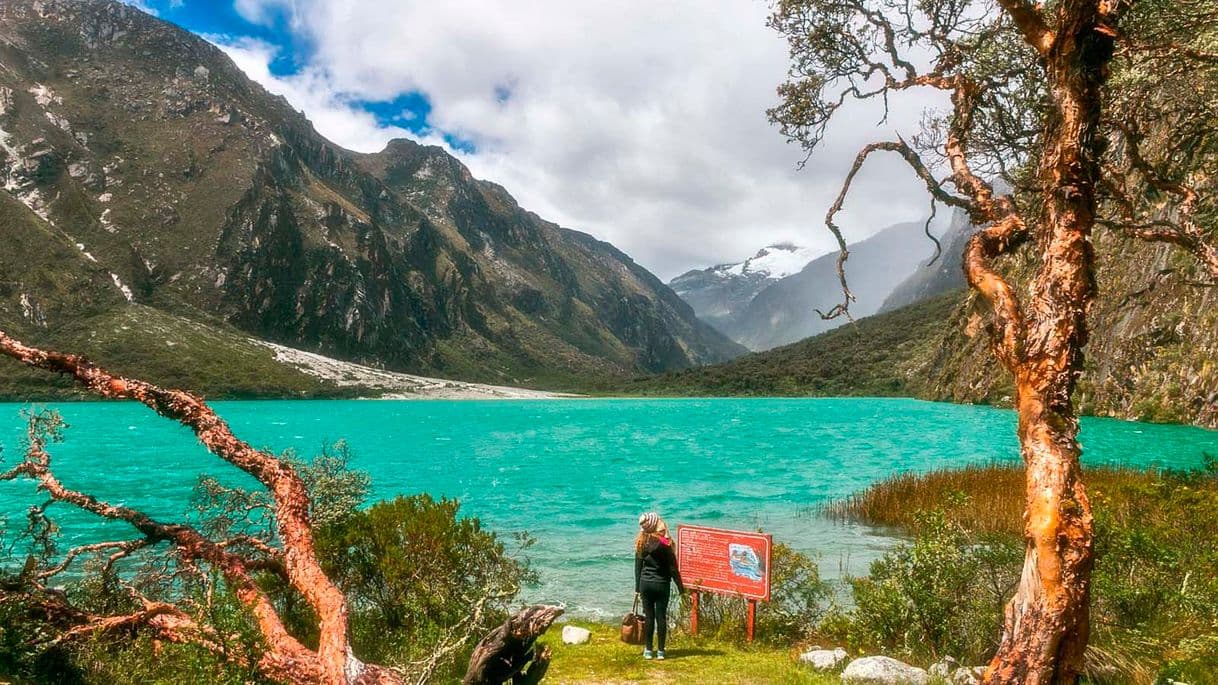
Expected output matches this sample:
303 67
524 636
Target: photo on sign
745 562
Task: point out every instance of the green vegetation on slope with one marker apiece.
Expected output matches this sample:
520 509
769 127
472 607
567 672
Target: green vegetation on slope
876 356
210 359
1150 356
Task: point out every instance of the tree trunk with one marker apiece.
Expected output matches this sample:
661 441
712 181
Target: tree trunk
1046 629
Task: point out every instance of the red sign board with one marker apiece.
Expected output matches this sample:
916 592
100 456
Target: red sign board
724 561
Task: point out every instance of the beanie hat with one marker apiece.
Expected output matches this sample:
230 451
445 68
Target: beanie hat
649 521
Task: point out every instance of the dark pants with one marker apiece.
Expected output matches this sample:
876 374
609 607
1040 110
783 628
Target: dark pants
655 611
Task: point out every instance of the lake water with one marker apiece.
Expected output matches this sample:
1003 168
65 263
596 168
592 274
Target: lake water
576 473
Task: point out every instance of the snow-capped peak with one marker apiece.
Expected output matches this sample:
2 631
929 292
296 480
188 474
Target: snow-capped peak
774 261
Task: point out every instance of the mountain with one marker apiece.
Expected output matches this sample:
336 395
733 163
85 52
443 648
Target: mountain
785 311
143 172
719 293
1150 356
940 276
877 356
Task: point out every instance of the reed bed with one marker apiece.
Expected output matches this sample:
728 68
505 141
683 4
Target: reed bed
985 498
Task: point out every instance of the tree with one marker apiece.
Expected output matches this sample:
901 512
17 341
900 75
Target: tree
238 558
1092 112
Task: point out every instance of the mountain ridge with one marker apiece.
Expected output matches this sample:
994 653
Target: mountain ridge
188 188
718 293
1154 336
764 313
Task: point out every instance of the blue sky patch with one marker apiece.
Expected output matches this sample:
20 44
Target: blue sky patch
219 19
408 110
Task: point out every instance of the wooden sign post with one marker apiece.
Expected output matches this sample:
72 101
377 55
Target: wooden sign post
726 562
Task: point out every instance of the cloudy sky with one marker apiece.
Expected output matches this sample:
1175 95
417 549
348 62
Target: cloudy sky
640 122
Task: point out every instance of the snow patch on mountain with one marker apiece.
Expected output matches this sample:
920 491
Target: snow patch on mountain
775 261
718 293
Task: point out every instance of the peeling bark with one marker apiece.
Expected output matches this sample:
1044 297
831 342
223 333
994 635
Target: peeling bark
1046 629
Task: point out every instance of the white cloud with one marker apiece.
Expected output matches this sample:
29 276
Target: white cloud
314 93
142 6
640 122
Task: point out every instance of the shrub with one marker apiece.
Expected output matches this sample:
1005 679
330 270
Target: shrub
1155 585
421 580
941 595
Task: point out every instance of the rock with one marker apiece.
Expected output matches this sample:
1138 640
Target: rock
201 73
881 670
968 676
945 667
824 659
574 635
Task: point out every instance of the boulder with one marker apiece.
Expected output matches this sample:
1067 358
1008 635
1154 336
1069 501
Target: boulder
881 670
968 676
574 635
944 668
824 659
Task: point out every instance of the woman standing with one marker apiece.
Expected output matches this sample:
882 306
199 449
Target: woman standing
655 565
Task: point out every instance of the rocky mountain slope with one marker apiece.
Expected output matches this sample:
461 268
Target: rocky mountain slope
940 276
1151 355
142 169
719 293
785 311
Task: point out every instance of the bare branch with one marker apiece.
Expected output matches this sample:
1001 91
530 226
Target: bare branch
291 498
932 184
1185 233
926 229
286 658
121 549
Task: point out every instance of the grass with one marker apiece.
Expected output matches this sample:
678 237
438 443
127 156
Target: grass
983 498
690 660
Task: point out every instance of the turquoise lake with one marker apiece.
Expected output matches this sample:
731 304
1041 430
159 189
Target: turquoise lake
576 473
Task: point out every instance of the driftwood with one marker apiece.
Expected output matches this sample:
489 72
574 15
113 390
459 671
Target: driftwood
506 650
509 652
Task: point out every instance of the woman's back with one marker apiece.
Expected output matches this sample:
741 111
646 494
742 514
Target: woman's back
657 561
655 565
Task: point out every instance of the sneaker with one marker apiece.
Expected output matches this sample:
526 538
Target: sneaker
660 655
647 654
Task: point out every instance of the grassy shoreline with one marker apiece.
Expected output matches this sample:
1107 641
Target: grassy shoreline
691 659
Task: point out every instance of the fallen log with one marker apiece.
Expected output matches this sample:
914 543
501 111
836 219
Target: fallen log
509 653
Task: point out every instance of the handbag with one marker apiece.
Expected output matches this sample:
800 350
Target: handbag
632 625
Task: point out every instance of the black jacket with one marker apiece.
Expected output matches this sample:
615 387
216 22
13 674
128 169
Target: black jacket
657 563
